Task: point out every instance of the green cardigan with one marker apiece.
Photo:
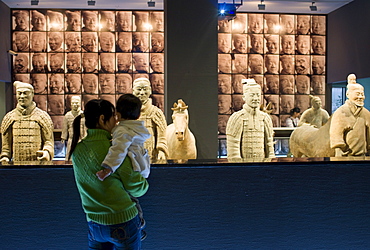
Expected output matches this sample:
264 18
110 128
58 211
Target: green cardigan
105 202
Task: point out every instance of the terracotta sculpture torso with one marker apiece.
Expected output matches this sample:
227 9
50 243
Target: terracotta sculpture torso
315 117
249 134
155 122
350 129
24 132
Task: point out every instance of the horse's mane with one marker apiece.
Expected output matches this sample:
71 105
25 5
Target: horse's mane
180 107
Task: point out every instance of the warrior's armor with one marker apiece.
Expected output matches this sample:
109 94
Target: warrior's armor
24 132
249 134
155 122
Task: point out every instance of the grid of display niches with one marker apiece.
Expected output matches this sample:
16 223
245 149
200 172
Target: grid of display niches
284 53
89 53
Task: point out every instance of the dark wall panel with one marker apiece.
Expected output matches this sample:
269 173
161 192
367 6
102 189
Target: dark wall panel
322 206
348 41
191 67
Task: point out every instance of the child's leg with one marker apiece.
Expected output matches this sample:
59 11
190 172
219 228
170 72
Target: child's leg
142 220
141 214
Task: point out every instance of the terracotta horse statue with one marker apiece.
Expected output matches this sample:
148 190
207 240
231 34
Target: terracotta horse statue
180 140
310 141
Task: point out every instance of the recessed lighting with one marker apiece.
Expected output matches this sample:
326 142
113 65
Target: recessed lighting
313 7
91 3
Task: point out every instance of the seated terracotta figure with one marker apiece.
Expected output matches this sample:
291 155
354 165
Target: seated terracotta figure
27 131
249 132
315 115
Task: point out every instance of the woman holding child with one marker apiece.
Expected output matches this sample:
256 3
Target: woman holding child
111 213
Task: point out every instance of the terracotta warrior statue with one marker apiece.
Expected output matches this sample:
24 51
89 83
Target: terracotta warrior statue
67 128
315 115
154 120
27 131
350 128
249 131
347 133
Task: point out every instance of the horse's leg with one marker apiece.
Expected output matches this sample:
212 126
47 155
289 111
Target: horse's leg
170 134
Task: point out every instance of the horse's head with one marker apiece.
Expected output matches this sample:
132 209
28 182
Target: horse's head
180 119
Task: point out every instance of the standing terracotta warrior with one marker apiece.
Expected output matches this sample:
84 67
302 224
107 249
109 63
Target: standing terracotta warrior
154 120
27 131
350 124
249 132
67 128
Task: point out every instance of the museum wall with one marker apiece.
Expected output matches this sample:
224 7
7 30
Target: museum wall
348 41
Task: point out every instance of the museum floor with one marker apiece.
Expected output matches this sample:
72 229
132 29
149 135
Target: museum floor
283 204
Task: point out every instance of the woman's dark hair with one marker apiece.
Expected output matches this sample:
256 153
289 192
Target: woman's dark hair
295 110
92 112
129 106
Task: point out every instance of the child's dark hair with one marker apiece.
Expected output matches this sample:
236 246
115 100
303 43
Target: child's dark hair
295 110
128 106
92 112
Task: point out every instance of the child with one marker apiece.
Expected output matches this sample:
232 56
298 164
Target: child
128 139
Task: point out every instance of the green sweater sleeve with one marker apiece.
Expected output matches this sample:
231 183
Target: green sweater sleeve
134 183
